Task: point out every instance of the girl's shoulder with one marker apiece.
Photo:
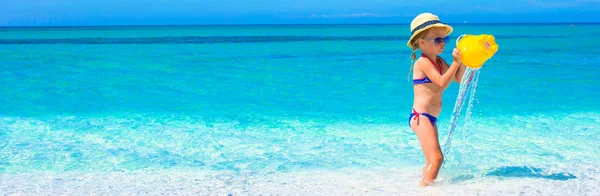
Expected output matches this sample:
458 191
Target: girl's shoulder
421 61
425 61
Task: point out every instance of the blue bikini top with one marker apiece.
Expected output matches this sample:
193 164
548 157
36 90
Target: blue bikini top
421 81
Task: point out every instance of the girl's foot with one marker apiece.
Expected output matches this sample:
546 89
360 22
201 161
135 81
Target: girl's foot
425 182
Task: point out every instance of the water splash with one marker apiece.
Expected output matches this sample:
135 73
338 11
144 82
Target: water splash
468 85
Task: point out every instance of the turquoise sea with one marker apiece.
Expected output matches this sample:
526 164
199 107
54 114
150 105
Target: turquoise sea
288 110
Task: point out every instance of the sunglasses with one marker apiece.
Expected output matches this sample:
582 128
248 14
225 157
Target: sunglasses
439 40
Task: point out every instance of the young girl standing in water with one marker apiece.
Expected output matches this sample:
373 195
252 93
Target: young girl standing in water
432 75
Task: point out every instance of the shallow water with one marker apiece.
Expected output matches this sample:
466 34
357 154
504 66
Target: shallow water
84 108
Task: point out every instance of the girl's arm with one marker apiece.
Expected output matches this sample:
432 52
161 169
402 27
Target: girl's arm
442 80
459 74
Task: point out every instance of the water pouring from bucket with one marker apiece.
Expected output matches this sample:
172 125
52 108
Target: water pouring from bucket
475 51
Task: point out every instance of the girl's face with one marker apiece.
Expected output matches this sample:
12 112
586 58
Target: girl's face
434 41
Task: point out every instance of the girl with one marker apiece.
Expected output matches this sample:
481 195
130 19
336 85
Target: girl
431 77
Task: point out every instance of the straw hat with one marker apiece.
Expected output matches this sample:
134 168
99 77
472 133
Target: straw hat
425 21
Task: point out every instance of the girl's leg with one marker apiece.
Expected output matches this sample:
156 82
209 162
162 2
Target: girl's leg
428 137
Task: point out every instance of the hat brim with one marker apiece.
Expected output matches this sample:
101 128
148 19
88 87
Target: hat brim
449 30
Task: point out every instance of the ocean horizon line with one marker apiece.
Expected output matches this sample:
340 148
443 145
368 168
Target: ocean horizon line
292 24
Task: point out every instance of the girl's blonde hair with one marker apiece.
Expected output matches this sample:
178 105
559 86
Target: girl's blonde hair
414 44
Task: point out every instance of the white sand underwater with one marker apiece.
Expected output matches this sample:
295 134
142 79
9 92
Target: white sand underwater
343 182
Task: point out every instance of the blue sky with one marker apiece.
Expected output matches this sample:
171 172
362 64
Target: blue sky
181 12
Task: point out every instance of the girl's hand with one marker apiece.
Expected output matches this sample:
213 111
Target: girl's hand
456 55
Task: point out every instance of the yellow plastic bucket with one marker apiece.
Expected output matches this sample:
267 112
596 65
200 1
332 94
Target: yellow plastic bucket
476 49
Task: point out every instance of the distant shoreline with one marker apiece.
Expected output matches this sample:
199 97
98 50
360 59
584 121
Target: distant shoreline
299 24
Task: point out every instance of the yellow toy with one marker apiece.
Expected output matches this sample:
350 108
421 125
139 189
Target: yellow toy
476 49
